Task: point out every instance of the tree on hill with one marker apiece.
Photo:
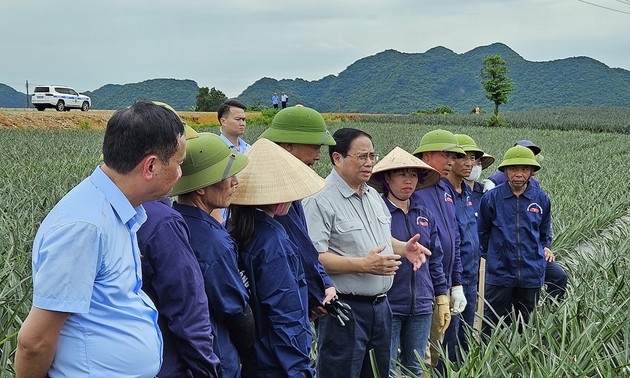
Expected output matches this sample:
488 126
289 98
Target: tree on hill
496 83
208 100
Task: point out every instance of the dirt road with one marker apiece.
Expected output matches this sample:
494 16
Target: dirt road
75 119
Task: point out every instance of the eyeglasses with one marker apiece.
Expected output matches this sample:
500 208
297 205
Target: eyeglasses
362 158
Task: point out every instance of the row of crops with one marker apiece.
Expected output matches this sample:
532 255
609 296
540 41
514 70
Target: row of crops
585 174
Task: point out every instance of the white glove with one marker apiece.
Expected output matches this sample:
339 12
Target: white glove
458 299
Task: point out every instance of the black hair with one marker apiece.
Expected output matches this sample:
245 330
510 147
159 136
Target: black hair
241 224
344 138
139 130
225 107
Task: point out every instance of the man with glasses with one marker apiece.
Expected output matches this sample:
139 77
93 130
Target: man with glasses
349 225
439 148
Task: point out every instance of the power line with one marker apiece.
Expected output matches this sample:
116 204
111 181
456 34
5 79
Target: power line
607 8
624 2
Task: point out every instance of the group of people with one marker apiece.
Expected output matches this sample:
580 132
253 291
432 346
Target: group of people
282 99
383 256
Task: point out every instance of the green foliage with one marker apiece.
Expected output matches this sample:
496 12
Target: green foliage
438 110
265 118
180 94
208 100
495 121
85 124
497 84
584 336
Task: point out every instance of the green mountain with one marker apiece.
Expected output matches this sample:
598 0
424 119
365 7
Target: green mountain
395 82
180 94
10 98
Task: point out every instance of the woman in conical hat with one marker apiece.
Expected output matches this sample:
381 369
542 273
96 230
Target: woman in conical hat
398 175
278 294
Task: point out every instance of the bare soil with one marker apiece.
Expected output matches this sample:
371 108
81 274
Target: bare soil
73 120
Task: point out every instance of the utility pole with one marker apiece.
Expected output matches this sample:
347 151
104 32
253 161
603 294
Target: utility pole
27 103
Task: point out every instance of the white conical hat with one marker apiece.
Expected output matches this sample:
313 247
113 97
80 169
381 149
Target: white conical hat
273 176
400 159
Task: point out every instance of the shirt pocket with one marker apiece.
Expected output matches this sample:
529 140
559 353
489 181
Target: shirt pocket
349 226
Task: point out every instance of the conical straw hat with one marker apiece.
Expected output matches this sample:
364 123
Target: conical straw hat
273 176
399 159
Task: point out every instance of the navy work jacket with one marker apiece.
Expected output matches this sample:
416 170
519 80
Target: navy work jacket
278 300
412 292
438 199
513 232
217 255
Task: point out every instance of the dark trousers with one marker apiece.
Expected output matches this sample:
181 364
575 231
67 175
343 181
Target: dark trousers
556 280
501 301
284 104
344 352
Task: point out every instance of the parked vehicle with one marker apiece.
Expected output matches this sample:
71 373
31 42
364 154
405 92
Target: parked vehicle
59 97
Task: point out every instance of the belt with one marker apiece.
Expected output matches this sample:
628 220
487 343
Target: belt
373 299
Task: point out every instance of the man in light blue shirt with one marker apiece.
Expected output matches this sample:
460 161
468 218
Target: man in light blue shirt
231 115
89 316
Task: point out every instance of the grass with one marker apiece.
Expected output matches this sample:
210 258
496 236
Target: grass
584 173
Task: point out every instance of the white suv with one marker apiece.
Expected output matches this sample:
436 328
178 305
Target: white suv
60 98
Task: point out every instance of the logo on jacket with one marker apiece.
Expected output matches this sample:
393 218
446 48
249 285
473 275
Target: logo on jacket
534 208
448 198
422 221
468 201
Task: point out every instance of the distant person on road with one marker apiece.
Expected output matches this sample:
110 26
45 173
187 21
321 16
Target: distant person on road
267 186
514 233
89 315
398 175
275 101
284 98
172 279
208 182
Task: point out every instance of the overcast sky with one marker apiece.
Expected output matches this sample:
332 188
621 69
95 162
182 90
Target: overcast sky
231 44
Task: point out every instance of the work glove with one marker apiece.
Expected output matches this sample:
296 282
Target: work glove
443 313
458 299
338 310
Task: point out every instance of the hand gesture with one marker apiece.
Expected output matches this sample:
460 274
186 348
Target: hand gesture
415 252
382 265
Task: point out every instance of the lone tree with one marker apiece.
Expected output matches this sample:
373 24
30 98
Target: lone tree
496 83
208 100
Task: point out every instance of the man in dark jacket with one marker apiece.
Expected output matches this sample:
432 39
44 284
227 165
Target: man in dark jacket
514 252
439 149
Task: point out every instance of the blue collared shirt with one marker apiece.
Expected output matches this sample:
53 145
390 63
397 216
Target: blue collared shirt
242 145
86 262
242 148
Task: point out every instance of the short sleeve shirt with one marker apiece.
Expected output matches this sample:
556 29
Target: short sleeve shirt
86 262
343 222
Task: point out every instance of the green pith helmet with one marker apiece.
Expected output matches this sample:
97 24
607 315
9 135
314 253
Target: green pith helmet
519 155
299 124
439 140
469 145
208 160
